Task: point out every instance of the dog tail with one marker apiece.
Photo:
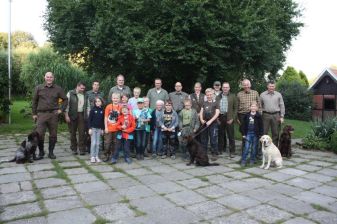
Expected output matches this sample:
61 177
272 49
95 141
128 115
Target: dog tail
213 164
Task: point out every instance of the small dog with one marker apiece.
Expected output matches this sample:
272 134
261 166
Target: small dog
26 151
197 153
270 153
285 141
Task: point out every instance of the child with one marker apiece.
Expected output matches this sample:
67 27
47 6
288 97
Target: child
168 123
188 124
142 117
209 113
124 101
157 143
134 99
110 122
252 129
148 126
96 128
126 125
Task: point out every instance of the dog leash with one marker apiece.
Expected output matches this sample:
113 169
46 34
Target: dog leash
200 130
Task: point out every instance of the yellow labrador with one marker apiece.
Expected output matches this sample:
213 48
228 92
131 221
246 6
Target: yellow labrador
270 152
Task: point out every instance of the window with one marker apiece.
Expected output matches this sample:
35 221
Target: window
329 104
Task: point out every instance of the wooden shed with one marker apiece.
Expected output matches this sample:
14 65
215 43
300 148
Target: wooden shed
324 90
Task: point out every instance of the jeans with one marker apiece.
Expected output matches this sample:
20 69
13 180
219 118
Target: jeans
122 145
211 133
168 142
140 141
250 143
95 141
157 143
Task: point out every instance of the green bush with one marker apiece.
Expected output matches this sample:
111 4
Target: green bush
323 135
333 142
297 100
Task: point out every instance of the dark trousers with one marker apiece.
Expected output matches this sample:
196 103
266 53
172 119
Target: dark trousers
50 121
226 129
168 142
210 134
77 126
109 144
140 141
122 145
271 121
241 118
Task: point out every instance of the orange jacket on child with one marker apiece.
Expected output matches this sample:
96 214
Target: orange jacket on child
131 125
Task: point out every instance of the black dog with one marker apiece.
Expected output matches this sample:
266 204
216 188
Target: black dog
197 153
285 141
26 151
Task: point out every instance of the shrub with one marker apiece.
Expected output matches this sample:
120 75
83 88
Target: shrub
333 142
297 100
312 141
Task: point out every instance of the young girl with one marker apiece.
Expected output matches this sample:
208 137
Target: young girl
126 125
143 117
125 101
168 123
96 128
252 129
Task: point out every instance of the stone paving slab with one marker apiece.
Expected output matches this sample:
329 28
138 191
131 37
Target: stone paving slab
166 190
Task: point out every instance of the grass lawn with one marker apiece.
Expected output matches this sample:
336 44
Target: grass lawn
21 124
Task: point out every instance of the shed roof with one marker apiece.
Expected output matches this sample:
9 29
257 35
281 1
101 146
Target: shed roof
332 72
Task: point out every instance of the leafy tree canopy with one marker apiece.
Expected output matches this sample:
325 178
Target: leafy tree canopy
175 40
20 39
291 75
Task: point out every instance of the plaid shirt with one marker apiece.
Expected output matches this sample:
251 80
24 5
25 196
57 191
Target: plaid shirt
223 104
245 99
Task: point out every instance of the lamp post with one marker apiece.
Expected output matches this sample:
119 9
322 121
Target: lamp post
9 59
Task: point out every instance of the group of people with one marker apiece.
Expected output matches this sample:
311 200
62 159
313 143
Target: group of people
159 121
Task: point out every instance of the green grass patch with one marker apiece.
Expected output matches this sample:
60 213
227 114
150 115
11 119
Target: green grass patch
91 170
20 123
124 200
202 178
136 211
101 221
60 172
319 207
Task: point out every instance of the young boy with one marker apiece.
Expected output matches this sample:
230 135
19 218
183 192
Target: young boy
209 113
252 129
143 117
124 101
110 122
188 124
157 142
148 126
133 100
126 125
168 123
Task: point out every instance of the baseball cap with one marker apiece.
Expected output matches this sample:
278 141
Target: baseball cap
140 100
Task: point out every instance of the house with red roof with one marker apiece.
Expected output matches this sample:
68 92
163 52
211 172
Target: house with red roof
324 90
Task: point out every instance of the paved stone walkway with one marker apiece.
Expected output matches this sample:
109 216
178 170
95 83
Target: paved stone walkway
71 190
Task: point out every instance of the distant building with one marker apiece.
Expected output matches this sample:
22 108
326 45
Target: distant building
324 90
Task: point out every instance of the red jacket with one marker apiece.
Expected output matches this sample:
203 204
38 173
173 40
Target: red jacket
128 132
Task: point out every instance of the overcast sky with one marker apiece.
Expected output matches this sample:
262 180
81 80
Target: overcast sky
312 51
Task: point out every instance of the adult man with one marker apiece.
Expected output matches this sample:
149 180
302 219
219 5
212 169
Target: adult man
75 118
228 112
244 99
45 109
272 106
119 88
177 97
197 97
157 93
90 97
217 88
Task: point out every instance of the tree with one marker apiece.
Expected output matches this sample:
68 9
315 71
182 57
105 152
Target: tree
304 78
297 99
291 75
45 59
175 40
20 39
